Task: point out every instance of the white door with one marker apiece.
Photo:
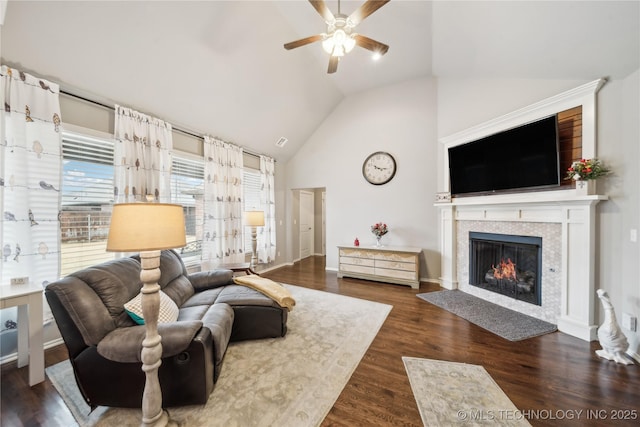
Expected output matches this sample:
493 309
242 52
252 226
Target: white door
306 224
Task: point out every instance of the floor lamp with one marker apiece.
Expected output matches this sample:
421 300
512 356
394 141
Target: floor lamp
254 219
148 228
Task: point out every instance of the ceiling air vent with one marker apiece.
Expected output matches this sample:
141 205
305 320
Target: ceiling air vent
282 141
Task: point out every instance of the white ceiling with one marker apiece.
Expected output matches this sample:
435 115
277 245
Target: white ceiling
219 67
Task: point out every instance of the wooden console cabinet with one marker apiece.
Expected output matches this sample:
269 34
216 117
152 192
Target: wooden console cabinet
391 264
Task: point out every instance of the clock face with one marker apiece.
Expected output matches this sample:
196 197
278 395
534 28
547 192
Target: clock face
379 168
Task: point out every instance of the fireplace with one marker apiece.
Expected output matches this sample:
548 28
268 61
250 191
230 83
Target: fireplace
506 264
564 219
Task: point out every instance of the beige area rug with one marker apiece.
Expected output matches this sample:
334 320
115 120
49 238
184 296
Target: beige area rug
290 381
449 393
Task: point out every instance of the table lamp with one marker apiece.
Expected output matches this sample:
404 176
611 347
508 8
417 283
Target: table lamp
254 219
148 228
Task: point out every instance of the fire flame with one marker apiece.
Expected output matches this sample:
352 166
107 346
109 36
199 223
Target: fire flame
506 270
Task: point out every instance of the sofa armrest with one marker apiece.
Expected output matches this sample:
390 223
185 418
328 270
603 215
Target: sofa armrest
125 344
204 280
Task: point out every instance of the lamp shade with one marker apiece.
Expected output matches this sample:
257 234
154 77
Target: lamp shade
254 218
146 227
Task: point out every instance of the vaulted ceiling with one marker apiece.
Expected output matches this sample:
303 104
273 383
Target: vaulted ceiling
219 67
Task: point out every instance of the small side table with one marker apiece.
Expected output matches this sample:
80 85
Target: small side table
239 268
28 299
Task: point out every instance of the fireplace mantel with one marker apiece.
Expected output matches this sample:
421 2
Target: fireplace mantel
577 217
575 213
532 198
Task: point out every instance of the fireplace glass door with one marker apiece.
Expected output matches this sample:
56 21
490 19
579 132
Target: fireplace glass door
507 264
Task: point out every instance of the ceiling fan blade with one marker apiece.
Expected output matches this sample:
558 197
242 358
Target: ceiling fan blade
370 44
366 9
323 10
302 42
333 64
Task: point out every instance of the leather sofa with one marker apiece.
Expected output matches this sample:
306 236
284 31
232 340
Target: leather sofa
104 343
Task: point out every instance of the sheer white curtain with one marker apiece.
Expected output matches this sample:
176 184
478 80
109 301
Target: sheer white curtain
30 175
223 167
267 237
142 157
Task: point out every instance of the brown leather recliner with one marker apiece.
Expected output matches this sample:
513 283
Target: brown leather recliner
104 343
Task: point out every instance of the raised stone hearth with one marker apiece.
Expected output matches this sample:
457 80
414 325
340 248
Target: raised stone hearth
564 218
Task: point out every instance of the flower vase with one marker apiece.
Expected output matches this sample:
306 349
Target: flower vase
378 244
585 187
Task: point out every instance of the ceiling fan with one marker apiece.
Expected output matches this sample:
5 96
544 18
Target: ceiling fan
340 37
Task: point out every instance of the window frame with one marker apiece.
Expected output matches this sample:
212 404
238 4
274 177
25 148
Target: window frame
193 259
250 203
77 135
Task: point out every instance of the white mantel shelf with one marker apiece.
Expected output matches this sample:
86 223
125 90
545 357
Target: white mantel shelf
532 198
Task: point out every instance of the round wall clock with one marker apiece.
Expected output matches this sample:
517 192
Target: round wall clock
379 168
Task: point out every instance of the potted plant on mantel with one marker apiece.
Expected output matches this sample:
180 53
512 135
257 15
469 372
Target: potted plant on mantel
585 172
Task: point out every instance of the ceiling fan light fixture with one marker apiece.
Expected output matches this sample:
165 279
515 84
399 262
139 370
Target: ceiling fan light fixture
338 43
376 56
349 43
327 44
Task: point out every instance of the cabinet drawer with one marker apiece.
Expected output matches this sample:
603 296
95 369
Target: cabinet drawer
348 268
396 274
357 253
407 266
389 256
357 261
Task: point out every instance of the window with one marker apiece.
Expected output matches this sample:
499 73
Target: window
187 189
251 183
87 200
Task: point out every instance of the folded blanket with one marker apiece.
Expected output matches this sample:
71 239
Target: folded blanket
268 287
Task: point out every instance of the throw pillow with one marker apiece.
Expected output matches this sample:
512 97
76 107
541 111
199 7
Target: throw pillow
168 309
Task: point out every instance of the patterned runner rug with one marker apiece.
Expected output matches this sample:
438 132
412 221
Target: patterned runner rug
290 381
449 393
502 321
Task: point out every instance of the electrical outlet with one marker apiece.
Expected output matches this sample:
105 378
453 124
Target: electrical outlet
633 235
629 322
19 280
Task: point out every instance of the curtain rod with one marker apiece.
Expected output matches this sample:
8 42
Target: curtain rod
177 129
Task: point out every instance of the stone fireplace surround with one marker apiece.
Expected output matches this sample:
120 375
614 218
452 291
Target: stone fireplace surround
564 219
549 308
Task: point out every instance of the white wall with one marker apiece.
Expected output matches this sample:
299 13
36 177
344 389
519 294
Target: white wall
399 119
463 103
618 271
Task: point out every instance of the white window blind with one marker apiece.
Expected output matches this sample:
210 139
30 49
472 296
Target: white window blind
87 201
187 189
251 183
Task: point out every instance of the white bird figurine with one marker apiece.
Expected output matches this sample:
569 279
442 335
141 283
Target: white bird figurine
614 343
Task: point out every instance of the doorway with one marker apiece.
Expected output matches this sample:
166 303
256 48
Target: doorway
309 225
306 224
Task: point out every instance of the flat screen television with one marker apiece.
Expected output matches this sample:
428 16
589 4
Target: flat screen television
523 157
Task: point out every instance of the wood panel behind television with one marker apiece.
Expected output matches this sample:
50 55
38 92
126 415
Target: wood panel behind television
569 140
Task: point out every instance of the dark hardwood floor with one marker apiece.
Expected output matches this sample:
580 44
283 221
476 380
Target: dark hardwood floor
555 378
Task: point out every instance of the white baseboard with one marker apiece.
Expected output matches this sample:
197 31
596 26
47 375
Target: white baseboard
14 356
273 267
635 356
